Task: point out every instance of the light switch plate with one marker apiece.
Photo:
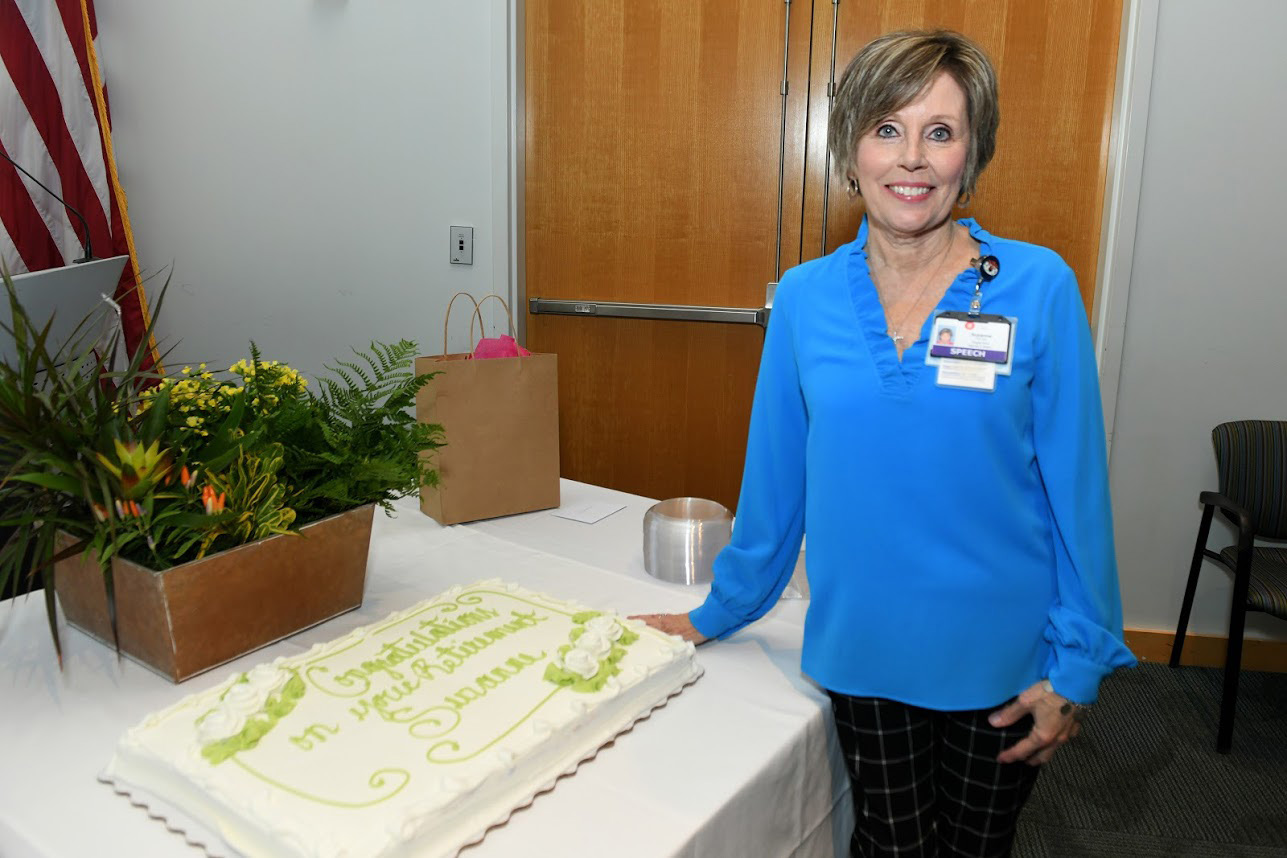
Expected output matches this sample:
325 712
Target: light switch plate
462 245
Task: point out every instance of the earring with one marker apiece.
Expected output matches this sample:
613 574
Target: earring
851 188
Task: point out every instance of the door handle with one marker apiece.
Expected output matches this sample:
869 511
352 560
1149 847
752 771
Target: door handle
667 312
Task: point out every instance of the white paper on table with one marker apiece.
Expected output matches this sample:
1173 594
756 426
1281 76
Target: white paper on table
589 512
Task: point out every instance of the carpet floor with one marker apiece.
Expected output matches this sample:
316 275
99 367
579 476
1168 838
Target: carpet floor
1144 778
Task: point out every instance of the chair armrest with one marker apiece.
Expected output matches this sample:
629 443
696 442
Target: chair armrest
1235 512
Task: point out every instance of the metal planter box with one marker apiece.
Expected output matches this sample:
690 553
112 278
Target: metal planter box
187 619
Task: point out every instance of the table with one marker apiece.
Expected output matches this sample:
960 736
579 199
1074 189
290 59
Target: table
743 763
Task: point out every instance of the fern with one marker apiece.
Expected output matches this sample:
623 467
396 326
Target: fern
363 445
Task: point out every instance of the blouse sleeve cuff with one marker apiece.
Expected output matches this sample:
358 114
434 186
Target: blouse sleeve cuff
712 620
1078 678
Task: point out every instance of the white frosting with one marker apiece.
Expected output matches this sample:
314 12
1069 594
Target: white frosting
595 644
245 699
221 723
578 661
340 775
607 625
268 678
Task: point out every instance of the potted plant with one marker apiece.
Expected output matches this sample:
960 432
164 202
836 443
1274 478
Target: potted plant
189 518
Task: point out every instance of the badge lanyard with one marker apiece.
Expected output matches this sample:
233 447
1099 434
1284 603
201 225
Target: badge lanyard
988 267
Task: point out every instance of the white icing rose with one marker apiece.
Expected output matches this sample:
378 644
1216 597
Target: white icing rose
220 723
245 697
268 678
580 662
594 643
605 625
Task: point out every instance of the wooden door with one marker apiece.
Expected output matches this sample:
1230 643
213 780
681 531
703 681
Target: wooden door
652 176
1056 62
652 160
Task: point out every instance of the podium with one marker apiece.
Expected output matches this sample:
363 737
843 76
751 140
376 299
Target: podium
68 296
63 297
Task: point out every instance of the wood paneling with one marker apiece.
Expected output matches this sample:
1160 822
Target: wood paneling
1207 650
652 159
659 409
1056 62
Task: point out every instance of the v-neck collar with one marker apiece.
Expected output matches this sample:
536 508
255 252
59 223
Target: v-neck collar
898 376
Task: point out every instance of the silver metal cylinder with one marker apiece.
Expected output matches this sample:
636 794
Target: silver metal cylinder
681 538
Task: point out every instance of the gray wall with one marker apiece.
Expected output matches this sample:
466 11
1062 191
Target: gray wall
299 163
296 164
1208 295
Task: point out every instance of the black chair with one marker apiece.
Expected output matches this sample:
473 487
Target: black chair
1251 456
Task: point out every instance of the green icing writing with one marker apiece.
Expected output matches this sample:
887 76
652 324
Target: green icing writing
276 707
315 735
486 682
418 656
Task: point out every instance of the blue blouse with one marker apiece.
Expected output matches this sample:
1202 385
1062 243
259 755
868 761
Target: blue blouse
960 541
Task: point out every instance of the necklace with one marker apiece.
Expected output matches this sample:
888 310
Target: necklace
893 330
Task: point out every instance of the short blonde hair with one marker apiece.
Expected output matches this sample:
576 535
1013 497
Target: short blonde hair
891 71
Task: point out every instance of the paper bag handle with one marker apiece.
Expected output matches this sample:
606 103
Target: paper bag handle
508 316
478 315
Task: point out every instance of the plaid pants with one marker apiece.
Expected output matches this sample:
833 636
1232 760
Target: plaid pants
926 783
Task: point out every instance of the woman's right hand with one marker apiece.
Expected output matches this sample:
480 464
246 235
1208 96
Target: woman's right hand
673 624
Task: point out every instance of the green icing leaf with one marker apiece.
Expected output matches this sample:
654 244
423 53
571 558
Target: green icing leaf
294 688
586 616
559 676
217 752
275 708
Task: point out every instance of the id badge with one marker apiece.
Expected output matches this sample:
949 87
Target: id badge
960 336
967 374
956 336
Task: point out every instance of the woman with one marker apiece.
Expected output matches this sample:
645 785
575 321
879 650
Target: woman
959 637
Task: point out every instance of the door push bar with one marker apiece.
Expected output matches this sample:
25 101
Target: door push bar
668 312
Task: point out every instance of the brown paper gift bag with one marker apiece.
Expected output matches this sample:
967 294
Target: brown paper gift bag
500 417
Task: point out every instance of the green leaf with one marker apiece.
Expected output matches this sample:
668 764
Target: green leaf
57 482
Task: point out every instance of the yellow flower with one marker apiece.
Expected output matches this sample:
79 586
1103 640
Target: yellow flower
194 421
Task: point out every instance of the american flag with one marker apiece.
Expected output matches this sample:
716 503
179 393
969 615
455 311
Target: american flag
54 122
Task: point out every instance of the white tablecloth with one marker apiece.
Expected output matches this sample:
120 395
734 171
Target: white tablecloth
743 763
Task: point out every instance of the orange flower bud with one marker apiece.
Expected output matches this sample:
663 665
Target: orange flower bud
213 503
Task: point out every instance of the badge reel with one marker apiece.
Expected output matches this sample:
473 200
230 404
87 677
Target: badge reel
970 349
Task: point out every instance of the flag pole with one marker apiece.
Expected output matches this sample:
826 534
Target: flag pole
118 193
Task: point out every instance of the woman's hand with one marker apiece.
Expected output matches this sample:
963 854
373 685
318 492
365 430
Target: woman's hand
1056 720
673 624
